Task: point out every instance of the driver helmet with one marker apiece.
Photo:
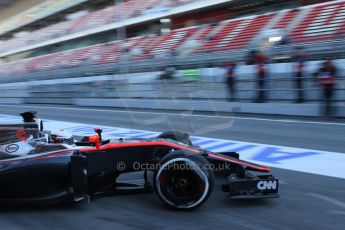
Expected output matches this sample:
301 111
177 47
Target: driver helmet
61 136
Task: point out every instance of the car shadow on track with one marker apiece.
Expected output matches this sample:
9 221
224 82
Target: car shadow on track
146 200
66 207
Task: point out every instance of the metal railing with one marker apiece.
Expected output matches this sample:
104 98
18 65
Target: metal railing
315 51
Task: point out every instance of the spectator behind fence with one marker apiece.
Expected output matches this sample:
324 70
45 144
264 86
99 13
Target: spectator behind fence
299 58
327 75
230 79
260 61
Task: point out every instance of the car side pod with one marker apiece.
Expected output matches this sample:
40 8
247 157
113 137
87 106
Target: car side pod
256 187
79 177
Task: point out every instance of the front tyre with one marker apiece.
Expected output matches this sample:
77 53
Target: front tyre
183 180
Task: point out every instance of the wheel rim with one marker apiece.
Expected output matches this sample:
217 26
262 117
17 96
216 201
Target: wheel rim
187 186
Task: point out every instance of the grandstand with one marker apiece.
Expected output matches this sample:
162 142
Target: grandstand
90 38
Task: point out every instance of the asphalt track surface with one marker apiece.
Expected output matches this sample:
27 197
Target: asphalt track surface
307 201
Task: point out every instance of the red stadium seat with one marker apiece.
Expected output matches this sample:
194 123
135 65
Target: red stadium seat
286 19
108 15
323 22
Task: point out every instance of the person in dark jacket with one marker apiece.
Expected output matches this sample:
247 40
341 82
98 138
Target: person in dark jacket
327 74
230 79
260 61
299 59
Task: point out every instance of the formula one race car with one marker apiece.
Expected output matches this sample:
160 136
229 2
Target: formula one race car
38 167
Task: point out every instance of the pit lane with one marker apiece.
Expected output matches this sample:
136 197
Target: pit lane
308 201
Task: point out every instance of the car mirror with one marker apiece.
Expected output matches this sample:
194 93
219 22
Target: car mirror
96 140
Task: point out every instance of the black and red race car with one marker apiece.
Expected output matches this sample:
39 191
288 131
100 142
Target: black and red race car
38 167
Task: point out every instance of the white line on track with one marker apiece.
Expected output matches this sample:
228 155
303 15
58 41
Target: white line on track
331 200
296 159
337 212
185 114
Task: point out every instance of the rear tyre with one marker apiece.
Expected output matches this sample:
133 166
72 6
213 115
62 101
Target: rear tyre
177 136
183 180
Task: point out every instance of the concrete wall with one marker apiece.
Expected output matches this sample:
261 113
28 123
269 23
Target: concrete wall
280 85
206 93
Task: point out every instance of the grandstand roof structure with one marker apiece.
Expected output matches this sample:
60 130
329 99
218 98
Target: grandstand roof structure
5 3
37 11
